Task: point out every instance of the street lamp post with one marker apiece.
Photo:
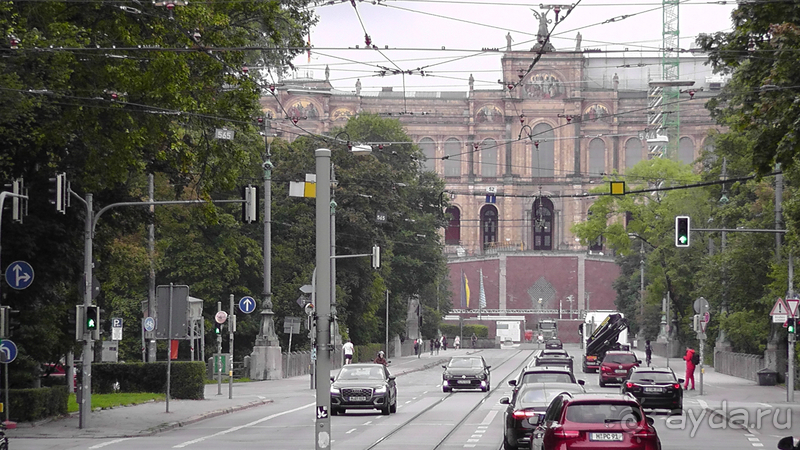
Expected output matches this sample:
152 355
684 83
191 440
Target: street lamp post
322 429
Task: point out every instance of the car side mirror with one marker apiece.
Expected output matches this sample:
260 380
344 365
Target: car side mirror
331 378
444 366
681 380
488 367
512 382
392 377
388 361
505 401
650 421
581 382
536 420
638 361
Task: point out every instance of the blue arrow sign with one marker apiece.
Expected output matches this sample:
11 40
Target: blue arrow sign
19 275
8 351
247 305
149 324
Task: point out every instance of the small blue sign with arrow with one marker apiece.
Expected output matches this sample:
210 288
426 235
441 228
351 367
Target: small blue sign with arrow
19 275
247 305
8 351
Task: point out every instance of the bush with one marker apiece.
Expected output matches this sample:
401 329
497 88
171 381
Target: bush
187 380
29 405
366 352
451 331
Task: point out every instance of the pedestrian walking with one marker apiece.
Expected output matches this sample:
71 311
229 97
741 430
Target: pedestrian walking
437 344
416 347
474 340
648 352
444 342
692 359
431 343
348 350
457 343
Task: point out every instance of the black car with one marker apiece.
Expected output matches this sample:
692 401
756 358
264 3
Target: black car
543 374
531 400
466 372
363 386
552 357
655 388
553 344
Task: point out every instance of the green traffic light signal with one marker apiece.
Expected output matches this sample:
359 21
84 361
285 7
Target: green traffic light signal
91 318
792 325
217 328
682 231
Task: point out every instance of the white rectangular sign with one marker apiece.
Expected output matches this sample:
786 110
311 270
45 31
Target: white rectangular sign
116 334
780 318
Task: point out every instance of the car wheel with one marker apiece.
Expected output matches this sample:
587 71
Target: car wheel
386 410
507 446
445 389
602 383
334 411
393 407
341 411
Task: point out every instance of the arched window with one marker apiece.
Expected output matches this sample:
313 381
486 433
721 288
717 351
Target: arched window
542 220
489 158
453 157
597 158
543 158
686 150
489 225
452 234
428 148
633 152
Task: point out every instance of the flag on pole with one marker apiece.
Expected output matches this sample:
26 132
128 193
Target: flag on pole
483 293
464 291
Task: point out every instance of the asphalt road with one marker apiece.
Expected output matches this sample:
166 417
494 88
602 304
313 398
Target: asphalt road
427 418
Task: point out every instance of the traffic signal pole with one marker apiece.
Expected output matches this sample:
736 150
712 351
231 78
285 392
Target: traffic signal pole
322 425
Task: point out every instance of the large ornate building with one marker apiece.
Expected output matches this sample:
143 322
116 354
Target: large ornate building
518 159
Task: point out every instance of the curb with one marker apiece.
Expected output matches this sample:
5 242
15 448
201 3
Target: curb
201 417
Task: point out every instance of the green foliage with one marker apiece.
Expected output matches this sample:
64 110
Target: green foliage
747 331
104 401
451 331
30 405
186 380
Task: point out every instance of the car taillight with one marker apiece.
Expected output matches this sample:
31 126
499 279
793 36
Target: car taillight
591 358
629 385
566 433
524 413
644 433
605 369
676 385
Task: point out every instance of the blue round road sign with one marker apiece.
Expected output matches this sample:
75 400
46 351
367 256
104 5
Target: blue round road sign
8 351
247 305
149 324
19 275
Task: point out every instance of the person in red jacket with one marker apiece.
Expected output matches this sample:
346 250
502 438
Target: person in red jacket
689 367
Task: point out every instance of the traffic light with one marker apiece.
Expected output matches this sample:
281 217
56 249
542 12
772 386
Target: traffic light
4 317
75 319
218 329
682 231
92 321
60 192
250 205
792 325
19 206
376 257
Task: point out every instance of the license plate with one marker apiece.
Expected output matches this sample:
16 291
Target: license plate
606 437
464 382
358 399
622 371
653 389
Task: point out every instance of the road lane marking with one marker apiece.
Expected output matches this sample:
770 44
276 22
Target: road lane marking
109 443
237 428
766 405
350 431
489 417
368 422
703 404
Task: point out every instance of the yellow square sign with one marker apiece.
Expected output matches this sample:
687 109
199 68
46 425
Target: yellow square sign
617 188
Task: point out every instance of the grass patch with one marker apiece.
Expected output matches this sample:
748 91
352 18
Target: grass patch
111 400
225 380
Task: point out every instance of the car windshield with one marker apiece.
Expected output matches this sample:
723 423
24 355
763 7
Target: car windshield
546 378
603 413
544 395
465 363
656 377
625 358
553 353
361 373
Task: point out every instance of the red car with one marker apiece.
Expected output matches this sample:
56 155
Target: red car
616 367
607 421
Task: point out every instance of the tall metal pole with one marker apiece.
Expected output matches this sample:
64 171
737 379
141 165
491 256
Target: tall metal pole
88 344
169 342
322 435
387 323
231 321
641 280
219 357
333 263
151 283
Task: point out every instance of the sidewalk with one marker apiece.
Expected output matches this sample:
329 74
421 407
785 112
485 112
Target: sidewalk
150 418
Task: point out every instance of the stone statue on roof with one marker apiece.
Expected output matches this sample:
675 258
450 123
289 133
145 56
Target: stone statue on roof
358 86
542 33
327 73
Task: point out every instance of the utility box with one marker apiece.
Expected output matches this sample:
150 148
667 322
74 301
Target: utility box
110 351
767 377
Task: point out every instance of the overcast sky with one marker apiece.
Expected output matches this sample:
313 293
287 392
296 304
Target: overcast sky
415 32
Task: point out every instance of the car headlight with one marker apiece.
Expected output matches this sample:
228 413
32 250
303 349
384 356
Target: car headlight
334 390
380 390
447 376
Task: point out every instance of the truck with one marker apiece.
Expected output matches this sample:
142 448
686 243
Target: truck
602 331
548 328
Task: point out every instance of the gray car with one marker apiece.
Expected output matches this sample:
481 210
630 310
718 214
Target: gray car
466 372
363 386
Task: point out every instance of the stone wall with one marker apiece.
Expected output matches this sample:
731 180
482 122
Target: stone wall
739 365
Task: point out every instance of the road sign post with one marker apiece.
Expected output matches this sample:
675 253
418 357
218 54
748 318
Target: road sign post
791 306
701 306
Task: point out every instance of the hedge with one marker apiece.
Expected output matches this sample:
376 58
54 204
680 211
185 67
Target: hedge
453 330
30 405
187 378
